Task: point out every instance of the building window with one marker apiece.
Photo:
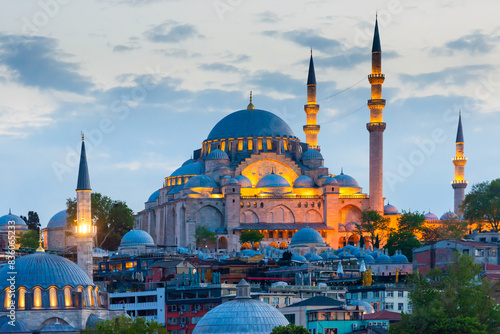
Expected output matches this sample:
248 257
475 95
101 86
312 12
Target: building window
7 298
250 144
354 296
53 297
389 294
261 204
269 145
400 306
21 303
401 294
364 295
389 306
265 300
240 145
276 300
466 251
37 298
287 300
376 294
260 144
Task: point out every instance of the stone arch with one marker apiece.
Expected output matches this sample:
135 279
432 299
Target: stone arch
283 245
246 245
210 217
313 216
280 214
249 216
342 242
350 213
222 243
60 318
353 239
257 167
256 245
273 244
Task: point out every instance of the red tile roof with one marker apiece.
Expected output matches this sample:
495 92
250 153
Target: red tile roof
383 315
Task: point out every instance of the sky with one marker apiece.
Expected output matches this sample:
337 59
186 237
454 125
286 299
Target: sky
146 80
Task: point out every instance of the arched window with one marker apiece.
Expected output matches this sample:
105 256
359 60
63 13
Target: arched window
7 298
67 297
91 299
53 297
260 144
37 298
22 301
250 144
240 145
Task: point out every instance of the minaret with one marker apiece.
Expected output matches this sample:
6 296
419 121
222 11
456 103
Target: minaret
459 184
85 230
376 126
311 108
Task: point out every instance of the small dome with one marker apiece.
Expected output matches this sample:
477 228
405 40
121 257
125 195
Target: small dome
252 316
399 258
137 238
44 270
345 180
316 258
366 306
217 154
349 227
232 182
272 180
430 216
193 168
200 181
299 258
446 216
390 210
322 179
306 235
373 254
331 181
4 220
244 181
368 258
341 228
58 220
311 154
187 162
303 181
18 327
383 258
154 196
333 257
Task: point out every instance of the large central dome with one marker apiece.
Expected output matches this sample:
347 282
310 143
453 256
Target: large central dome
250 123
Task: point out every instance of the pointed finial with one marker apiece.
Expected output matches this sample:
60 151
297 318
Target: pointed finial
311 51
250 105
40 248
460 133
83 136
342 171
10 212
376 38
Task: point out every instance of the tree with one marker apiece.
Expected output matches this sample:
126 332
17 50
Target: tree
482 204
404 237
204 236
448 230
373 223
125 325
29 239
251 236
455 301
290 329
113 219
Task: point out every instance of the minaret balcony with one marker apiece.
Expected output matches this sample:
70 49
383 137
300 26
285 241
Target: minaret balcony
459 161
311 108
376 104
375 127
459 184
311 129
376 79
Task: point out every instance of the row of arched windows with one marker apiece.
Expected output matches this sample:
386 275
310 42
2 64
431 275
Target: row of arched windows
263 144
312 204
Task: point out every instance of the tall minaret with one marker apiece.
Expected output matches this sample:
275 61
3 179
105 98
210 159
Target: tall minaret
85 230
459 184
311 108
376 126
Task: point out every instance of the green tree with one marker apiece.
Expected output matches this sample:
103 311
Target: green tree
404 237
204 236
33 221
251 236
455 301
29 239
113 219
290 329
373 223
448 230
125 325
482 204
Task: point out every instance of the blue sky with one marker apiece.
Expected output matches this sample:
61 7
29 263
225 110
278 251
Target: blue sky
147 80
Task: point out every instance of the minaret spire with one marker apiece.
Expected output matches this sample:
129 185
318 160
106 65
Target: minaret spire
376 126
85 230
459 183
311 129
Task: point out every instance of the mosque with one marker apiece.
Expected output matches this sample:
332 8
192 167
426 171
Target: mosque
253 173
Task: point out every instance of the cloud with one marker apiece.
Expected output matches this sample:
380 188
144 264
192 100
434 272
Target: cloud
476 43
172 32
123 48
309 39
37 63
268 17
457 76
220 67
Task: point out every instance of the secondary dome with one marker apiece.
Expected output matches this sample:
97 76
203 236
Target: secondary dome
250 123
244 181
430 216
331 181
390 210
200 181
449 216
154 196
4 220
45 270
243 315
272 180
217 154
311 154
303 181
345 180
58 220
136 238
192 168
306 235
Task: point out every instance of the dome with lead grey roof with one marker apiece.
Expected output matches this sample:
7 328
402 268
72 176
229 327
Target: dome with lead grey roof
18 221
272 180
189 168
312 154
58 220
154 196
345 180
303 181
200 181
449 216
137 238
217 154
306 235
430 216
244 181
243 315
